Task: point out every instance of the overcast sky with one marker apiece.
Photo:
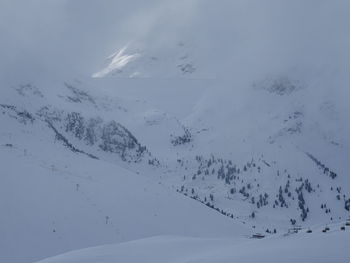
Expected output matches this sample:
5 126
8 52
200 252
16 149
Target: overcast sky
60 34
76 35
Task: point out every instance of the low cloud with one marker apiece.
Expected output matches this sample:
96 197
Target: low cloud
234 38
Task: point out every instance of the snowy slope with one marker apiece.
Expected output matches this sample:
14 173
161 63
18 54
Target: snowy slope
58 200
272 139
273 151
303 247
277 131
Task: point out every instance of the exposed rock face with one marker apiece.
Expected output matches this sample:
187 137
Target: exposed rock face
281 85
110 137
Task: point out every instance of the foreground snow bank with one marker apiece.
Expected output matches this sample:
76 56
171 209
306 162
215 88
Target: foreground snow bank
314 247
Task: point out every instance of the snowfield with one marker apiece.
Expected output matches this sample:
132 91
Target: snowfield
311 248
56 201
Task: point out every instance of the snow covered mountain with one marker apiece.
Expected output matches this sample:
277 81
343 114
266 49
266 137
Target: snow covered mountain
208 124
269 127
63 182
105 156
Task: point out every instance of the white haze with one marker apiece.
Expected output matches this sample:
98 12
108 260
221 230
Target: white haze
239 40
251 37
